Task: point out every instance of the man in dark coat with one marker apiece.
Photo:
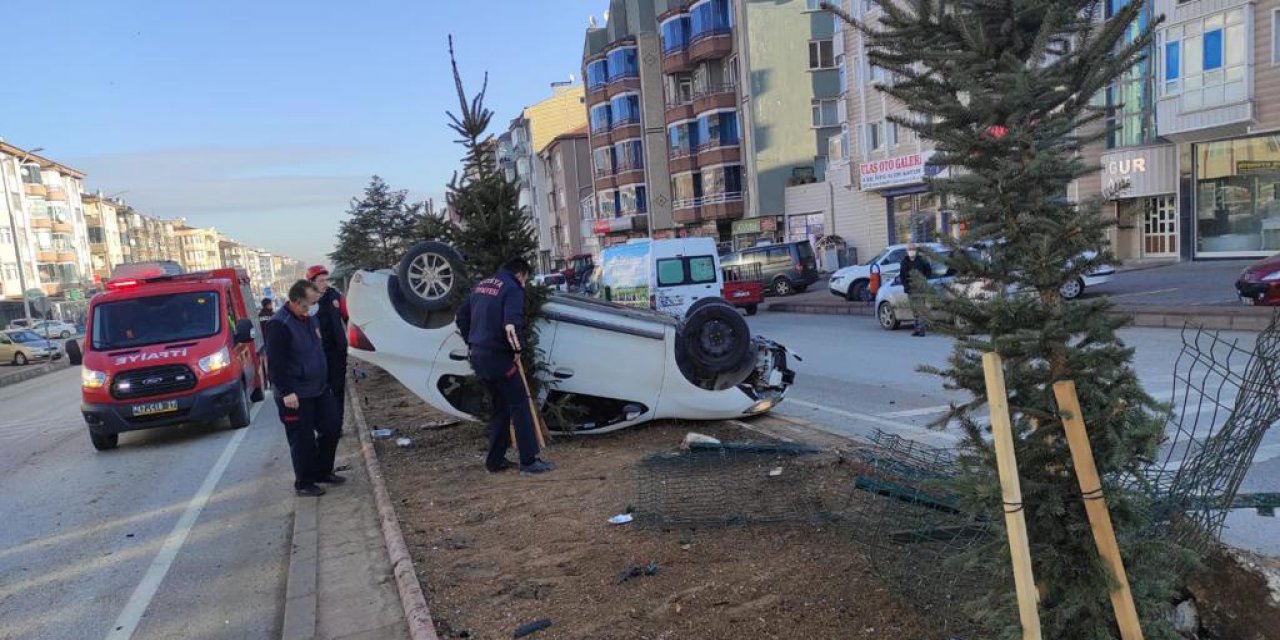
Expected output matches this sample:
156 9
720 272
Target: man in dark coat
332 318
491 322
914 263
300 379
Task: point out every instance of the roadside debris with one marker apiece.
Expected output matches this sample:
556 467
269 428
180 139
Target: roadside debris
382 433
359 373
775 472
621 518
404 442
532 627
441 424
635 571
691 438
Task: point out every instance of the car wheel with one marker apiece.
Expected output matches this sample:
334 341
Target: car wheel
752 309
20 359
430 276
1072 290
104 441
240 416
858 291
64 335
715 337
782 286
888 319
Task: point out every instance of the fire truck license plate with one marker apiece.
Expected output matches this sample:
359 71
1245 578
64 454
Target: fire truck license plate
154 408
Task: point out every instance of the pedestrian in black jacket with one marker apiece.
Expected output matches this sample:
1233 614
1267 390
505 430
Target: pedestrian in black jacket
911 264
491 322
300 377
332 317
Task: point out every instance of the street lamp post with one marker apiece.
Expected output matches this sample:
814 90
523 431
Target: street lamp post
13 229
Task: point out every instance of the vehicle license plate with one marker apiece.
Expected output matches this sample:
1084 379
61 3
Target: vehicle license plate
1246 300
155 408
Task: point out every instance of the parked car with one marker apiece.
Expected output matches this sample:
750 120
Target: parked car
1259 283
553 281
1099 276
610 366
893 307
787 267
743 287
851 283
21 346
54 329
20 324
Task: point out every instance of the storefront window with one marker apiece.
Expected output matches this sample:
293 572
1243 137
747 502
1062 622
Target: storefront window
805 227
1237 197
916 218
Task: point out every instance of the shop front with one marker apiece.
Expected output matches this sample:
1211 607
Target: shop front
750 232
1141 187
914 214
1235 198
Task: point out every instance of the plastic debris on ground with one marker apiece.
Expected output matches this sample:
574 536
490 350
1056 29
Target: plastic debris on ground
635 571
441 424
621 518
404 442
775 472
533 627
382 433
693 437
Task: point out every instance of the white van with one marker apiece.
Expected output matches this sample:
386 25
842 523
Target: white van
664 275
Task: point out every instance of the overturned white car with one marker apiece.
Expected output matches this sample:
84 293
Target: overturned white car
611 366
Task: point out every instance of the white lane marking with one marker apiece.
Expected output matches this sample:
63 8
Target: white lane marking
889 425
1141 293
912 413
129 618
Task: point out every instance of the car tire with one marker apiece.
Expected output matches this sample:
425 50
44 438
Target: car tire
1072 290
782 286
752 309
104 441
240 415
430 276
20 359
886 317
64 335
858 291
715 337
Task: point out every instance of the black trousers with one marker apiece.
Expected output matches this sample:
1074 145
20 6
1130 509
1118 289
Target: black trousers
510 403
313 430
337 361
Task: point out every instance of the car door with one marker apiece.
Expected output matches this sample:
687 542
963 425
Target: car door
891 263
7 349
683 280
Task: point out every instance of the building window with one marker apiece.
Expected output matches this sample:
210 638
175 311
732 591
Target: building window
1237 197
686 188
682 138
891 134
31 174
6 236
826 113
718 129
624 110
709 18
597 74
629 155
675 34
622 64
873 136
679 89
601 119
821 54
844 74
877 75
1204 60
632 200
812 5
605 162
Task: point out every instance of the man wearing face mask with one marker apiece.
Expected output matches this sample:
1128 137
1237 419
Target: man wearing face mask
914 264
299 375
332 318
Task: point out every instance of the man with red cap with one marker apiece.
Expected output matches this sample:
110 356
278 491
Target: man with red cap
332 319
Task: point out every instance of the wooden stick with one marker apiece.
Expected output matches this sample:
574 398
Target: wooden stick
539 428
1015 521
1095 505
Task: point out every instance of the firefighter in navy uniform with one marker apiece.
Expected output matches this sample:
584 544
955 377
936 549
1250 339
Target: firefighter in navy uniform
332 318
491 322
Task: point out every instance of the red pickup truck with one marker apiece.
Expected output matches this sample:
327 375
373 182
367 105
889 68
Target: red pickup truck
744 287
163 347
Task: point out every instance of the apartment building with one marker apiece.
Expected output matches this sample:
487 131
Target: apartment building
696 111
107 240
567 159
199 247
44 243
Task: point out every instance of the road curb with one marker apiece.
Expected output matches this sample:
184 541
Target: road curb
28 373
1214 318
416 613
301 598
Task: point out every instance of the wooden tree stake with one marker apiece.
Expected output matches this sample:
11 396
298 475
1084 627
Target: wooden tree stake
1104 535
1011 491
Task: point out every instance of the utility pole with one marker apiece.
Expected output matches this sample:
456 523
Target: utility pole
13 229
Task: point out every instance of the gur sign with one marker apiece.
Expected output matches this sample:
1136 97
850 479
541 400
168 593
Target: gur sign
1140 173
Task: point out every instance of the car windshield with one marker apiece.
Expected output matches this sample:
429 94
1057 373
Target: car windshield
24 336
878 258
155 319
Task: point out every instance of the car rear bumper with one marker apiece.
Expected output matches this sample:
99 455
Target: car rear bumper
201 406
1260 293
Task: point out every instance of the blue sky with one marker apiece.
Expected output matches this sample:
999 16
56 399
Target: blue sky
264 117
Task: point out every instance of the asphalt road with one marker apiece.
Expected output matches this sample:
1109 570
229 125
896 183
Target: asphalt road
856 378
179 533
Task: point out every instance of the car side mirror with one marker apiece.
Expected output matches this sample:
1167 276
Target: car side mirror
244 332
74 355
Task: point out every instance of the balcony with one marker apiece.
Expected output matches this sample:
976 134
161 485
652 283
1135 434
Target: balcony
36 190
56 194
713 45
686 211
622 85
676 60
725 206
628 175
722 96
678 110
46 256
626 130
63 227
41 223
1178 123
66 256
606 183
681 163
725 154
637 222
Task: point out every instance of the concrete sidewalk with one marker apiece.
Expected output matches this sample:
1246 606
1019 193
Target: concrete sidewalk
341 585
13 374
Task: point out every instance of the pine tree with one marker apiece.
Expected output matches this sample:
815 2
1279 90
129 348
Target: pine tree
381 226
1004 90
493 227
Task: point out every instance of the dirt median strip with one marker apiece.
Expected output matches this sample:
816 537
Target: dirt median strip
22 374
416 613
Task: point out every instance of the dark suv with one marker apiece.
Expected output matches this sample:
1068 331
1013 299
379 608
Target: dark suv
786 268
